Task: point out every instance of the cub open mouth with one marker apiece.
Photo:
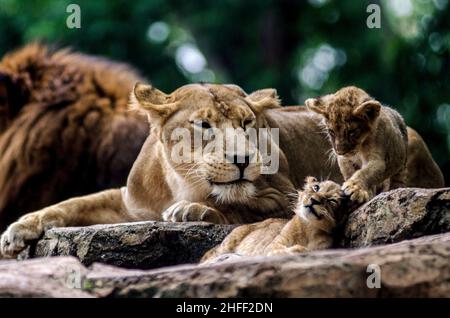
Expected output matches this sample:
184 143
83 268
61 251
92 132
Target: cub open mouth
313 211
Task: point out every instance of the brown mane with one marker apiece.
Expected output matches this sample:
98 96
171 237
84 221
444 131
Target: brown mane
64 127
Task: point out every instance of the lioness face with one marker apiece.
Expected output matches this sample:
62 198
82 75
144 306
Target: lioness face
349 116
209 133
319 203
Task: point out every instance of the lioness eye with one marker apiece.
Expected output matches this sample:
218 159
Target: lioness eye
316 188
247 122
203 124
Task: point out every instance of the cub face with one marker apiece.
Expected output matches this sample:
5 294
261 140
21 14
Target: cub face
350 115
320 203
195 123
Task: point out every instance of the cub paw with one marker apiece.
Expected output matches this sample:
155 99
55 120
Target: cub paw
355 191
186 211
15 239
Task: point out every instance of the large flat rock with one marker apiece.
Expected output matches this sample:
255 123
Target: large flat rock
412 268
133 245
388 218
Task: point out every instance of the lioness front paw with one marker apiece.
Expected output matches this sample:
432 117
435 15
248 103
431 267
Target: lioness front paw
15 239
185 211
355 191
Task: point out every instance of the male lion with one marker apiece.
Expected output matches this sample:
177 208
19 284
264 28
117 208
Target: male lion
65 128
212 188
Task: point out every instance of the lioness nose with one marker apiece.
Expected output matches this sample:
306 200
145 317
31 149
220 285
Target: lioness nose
241 162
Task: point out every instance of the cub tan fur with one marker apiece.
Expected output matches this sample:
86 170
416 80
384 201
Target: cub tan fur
370 141
317 213
160 189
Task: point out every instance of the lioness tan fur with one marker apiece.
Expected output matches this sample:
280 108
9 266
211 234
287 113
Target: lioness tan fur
317 213
207 190
422 170
370 140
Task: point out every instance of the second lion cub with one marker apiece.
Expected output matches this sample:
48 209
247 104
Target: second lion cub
318 212
370 141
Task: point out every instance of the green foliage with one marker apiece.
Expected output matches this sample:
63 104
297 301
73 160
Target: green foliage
302 48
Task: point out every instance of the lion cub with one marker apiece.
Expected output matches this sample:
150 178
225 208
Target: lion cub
370 141
317 214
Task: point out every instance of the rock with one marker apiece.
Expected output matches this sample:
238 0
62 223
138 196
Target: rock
413 268
418 268
388 218
40 278
133 245
398 215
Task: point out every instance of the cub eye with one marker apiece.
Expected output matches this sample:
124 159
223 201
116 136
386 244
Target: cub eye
203 124
333 202
316 188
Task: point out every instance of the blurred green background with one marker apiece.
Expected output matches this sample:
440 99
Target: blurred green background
301 48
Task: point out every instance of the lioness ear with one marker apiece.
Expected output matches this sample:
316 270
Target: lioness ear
150 99
315 105
264 99
368 110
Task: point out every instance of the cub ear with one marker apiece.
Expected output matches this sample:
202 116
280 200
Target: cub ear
264 99
368 110
316 105
309 180
150 99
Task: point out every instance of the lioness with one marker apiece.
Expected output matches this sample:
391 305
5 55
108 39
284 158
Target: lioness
370 140
211 188
318 211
